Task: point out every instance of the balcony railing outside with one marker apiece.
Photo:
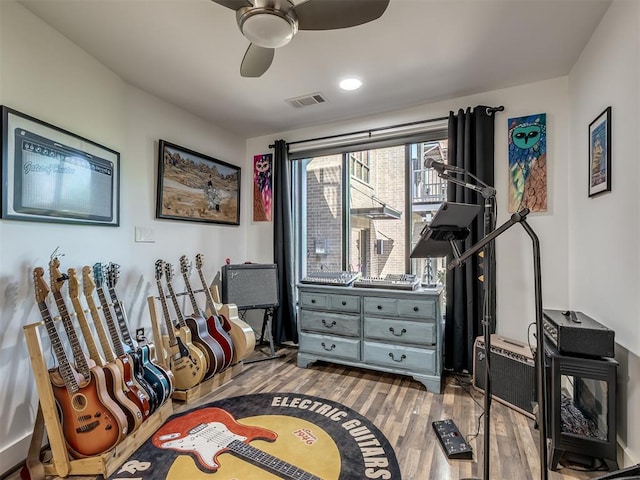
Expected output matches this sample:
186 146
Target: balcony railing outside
428 187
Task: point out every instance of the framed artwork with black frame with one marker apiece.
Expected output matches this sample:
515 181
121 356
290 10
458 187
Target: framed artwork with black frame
52 175
600 154
195 187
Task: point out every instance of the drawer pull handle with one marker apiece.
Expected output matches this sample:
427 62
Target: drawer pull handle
402 332
379 307
333 345
344 303
415 309
328 325
402 357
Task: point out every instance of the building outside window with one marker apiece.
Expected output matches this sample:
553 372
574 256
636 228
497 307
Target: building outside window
363 210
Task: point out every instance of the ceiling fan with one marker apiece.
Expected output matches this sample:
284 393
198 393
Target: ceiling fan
269 24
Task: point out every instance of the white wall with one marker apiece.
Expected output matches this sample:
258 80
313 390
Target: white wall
44 75
604 258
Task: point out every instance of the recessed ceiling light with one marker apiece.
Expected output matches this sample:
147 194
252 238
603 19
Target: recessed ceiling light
350 84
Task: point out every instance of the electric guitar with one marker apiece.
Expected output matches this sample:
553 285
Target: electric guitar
158 377
208 432
214 328
134 357
198 327
112 374
88 425
132 389
241 333
186 361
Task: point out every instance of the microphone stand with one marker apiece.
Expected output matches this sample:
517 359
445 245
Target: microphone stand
487 245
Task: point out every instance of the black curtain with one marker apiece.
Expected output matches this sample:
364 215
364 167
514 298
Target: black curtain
284 322
471 146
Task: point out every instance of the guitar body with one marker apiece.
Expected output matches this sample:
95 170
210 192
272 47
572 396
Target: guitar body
187 362
216 330
242 335
201 337
155 375
116 389
135 359
133 390
92 422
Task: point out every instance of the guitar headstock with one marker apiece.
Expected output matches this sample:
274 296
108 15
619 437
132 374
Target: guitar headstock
199 260
40 284
88 285
168 271
98 274
159 269
113 274
185 266
57 278
74 285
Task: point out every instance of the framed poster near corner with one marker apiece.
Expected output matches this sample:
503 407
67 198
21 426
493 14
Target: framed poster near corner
600 154
262 187
52 175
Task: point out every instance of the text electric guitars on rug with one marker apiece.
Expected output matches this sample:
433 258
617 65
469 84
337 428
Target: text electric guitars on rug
186 361
158 377
208 432
213 322
88 425
132 389
112 375
241 333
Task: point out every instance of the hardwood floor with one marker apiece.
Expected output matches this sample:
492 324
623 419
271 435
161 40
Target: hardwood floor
403 410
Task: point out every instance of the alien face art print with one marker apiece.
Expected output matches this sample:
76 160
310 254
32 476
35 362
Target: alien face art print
528 163
262 190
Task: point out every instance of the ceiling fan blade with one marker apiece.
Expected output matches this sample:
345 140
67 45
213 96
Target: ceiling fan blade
234 4
333 14
256 61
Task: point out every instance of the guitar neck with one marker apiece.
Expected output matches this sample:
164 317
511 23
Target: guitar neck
120 316
102 333
165 312
78 354
207 293
111 326
64 367
192 297
86 332
176 307
269 462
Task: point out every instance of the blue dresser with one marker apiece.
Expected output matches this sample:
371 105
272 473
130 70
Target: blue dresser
393 331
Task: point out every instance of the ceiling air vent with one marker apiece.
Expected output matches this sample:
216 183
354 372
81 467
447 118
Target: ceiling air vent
306 100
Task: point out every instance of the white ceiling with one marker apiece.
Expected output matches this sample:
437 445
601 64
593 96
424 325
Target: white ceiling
188 52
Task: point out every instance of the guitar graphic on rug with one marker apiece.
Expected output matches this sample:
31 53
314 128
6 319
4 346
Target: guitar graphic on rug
209 432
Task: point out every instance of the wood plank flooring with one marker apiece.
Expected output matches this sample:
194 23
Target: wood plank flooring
403 410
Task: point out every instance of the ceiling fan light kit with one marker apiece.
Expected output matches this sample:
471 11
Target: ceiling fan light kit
270 24
267 27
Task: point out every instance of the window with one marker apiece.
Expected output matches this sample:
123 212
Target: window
363 210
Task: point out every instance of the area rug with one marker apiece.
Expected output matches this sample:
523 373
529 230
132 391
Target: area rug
261 437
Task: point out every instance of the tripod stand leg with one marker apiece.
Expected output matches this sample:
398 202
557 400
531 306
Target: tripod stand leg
267 325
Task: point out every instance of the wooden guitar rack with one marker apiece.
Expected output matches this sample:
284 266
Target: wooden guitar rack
61 463
203 388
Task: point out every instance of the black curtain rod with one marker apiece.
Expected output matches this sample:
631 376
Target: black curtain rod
490 110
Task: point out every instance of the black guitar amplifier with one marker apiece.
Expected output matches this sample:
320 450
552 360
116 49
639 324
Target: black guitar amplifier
574 333
513 372
250 285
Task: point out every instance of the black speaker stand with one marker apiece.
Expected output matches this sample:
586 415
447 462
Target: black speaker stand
267 327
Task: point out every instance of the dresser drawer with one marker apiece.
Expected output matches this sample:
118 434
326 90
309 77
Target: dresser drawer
325 345
417 308
398 330
344 303
396 356
314 300
330 323
381 306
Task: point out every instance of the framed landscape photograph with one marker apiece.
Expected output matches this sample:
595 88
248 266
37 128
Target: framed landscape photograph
196 187
51 175
600 154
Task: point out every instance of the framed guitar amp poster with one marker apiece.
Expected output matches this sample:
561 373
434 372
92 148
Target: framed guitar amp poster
52 175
